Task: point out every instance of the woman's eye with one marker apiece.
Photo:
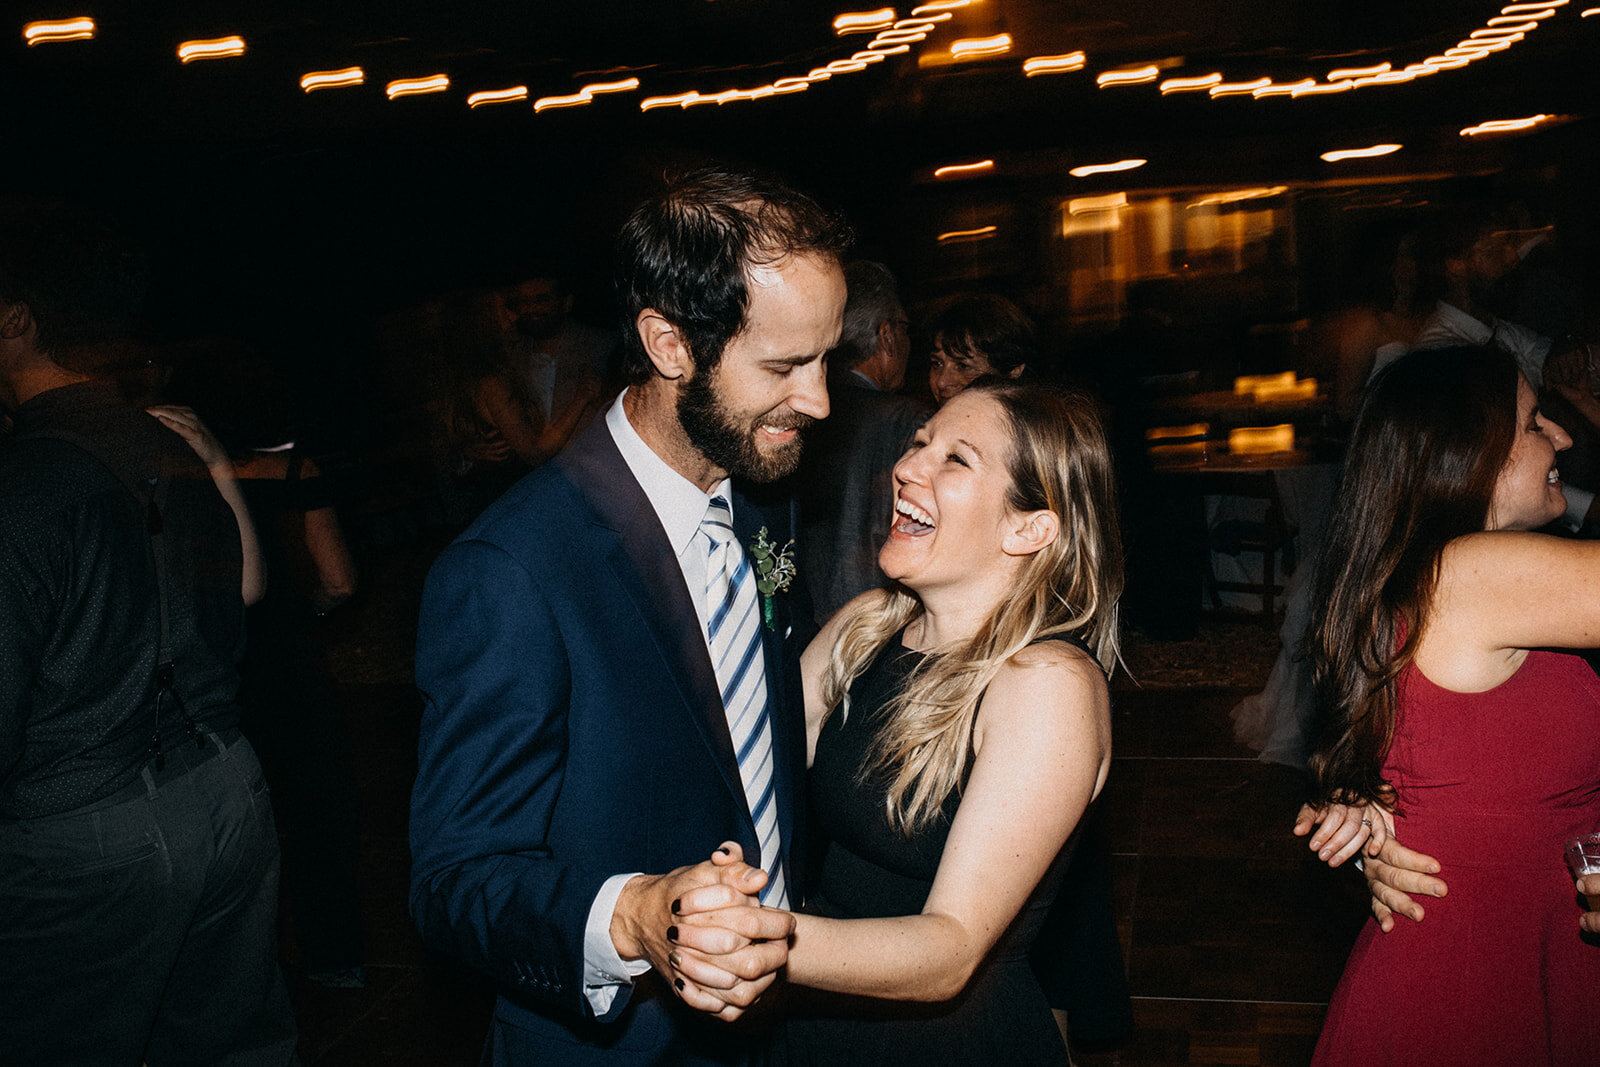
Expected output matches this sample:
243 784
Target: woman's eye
955 457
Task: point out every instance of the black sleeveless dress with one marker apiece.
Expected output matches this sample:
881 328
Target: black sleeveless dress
871 870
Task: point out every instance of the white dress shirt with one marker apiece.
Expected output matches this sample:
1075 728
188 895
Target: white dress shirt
680 505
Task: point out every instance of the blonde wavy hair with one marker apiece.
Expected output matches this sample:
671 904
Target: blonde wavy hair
1059 462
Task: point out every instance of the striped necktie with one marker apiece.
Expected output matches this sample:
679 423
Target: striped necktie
733 621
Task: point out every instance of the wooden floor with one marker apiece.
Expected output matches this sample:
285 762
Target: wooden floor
1233 935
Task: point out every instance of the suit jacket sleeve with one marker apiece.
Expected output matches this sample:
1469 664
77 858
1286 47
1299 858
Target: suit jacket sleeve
495 684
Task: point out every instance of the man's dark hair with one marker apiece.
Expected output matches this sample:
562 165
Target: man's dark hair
989 326
688 252
82 282
873 299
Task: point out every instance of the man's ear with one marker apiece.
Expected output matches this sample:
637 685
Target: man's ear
885 337
666 347
1031 532
15 321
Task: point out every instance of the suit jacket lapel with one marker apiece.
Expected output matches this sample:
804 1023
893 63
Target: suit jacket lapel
648 572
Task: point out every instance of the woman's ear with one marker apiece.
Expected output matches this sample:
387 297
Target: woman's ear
1030 532
668 351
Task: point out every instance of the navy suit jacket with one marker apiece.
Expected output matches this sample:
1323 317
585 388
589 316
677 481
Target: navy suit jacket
572 730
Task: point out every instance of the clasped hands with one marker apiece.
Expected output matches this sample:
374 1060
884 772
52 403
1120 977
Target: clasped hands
703 928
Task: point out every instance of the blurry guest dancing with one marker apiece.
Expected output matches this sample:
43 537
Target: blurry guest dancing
959 726
978 335
1457 730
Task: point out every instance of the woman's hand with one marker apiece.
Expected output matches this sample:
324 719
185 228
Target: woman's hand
187 425
727 947
1342 830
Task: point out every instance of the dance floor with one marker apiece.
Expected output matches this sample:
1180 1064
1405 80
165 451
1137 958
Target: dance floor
1233 935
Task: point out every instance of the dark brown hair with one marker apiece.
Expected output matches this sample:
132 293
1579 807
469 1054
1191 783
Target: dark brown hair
1429 443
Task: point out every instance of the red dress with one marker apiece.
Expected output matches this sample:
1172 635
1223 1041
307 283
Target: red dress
1492 784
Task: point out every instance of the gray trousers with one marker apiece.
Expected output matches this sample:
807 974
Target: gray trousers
142 929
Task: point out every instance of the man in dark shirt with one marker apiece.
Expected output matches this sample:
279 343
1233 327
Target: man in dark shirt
138 860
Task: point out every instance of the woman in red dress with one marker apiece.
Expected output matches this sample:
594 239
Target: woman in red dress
1455 729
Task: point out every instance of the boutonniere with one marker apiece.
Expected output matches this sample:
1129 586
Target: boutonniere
774 571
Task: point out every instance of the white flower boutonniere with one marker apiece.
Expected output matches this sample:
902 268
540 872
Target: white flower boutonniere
774 571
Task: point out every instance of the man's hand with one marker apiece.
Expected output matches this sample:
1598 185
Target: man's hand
1567 364
1589 886
1394 874
725 944
646 921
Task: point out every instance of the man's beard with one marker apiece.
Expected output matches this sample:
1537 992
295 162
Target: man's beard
729 445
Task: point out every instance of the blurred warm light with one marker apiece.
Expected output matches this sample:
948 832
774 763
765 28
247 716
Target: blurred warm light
1247 384
1393 77
1360 153
79 29
863 21
979 47
1167 433
1190 85
1513 32
623 86
1238 88
1136 76
899 37
545 103
939 5
982 233
791 85
332 79
1261 440
1285 392
1233 196
820 74
1504 125
214 48
1319 90
1053 64
866 57
961 170
893 49
1357 72
1525 22
1083 205
1447 62
498 96
1283 88
846 66
1106 168
651 102
436 83
1516 9
1589 11
926 23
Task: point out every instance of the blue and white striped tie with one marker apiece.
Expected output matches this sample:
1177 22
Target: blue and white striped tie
734 624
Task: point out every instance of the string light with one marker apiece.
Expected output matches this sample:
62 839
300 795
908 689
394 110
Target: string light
332 79
1053 64
215 48
1190 85
1358 72
1238 88
863 21
980 47
1360 153
1504 125
497 96
1106 168
79 29
1137 76
436 83
980 234
955 170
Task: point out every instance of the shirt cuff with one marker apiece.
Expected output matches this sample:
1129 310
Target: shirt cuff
1578 503
605 972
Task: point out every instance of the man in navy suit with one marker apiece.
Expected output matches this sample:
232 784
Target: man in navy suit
577 738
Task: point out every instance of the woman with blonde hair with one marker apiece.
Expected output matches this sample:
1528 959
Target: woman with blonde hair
958 727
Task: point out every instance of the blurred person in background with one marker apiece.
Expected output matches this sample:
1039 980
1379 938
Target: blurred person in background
291 714
138 854
845 489
978 335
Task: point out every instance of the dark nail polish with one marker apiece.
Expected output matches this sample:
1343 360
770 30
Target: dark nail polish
675 904
672 933
678 984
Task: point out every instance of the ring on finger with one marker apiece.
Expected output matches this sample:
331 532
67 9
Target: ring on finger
1366 823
